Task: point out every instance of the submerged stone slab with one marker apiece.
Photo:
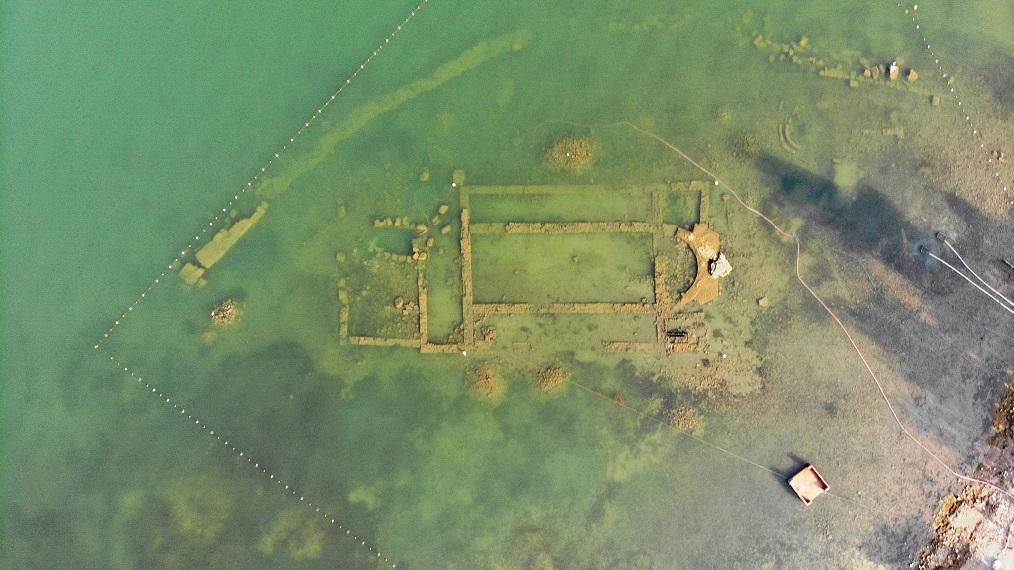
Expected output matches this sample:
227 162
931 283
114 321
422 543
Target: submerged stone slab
223 241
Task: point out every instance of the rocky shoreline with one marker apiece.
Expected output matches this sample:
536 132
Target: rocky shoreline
976 529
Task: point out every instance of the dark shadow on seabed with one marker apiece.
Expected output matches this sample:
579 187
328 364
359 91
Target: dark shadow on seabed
865 223
939 344
868 223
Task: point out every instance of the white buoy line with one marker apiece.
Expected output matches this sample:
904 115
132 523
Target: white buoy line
250 184
976 132
176 407
240 453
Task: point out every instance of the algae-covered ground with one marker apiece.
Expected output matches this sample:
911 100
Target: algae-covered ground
182 443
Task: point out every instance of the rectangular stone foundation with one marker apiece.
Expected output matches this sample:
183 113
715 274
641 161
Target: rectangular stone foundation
675 330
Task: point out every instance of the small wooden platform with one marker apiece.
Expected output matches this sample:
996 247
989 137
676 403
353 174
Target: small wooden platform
808 484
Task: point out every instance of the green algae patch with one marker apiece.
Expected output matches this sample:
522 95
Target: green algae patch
293 534
202 506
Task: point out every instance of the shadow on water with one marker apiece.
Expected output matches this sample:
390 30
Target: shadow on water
935 330
865 222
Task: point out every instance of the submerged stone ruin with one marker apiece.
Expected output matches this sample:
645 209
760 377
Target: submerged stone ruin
676 326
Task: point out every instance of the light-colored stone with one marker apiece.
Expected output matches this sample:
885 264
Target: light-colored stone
892 71
720 267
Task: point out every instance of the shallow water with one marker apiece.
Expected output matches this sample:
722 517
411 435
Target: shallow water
129 132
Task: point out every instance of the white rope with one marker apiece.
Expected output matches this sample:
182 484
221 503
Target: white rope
943 238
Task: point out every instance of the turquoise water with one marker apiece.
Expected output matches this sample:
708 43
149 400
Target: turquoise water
127 129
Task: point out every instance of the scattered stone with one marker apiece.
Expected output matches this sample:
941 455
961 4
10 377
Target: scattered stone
445 229
1004 422
763 302
573 155
486 384
552 377
226 313
911 75
443 209
685 419
836 72
399 303
425 176
854 83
